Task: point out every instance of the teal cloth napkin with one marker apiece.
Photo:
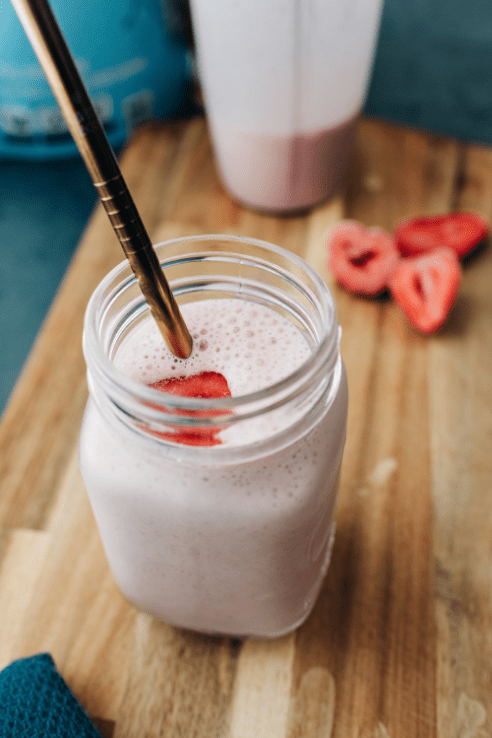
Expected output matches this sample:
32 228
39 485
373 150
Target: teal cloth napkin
35 702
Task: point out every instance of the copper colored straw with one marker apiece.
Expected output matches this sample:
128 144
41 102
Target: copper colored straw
58 65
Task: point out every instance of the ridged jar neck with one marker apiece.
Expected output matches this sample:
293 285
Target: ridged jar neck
203 268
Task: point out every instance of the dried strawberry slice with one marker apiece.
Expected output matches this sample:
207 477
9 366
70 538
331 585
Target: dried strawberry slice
362 259
426 286
204 385
459 231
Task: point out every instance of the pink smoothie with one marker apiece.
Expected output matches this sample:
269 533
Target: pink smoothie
220 542
283 172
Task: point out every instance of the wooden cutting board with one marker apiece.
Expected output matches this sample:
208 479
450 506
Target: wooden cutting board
400 642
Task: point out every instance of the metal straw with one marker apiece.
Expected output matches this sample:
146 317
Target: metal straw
59 67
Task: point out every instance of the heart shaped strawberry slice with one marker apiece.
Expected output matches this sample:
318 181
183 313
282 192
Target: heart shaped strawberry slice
205 385
459 231
361 259
426 286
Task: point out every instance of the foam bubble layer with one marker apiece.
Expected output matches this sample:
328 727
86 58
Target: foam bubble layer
251 345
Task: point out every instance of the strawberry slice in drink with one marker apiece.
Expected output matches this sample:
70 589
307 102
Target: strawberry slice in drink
426 286
204 385
207 385
362 259
460 231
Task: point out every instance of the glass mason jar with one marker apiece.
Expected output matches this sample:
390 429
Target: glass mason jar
232 538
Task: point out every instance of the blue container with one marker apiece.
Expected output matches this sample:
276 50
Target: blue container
133 66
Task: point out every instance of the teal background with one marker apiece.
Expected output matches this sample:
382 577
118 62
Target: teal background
433 67
432 70
43 211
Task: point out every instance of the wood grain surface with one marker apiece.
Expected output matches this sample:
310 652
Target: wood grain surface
399 644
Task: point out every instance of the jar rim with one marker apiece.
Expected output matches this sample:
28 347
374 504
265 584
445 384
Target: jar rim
323 357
